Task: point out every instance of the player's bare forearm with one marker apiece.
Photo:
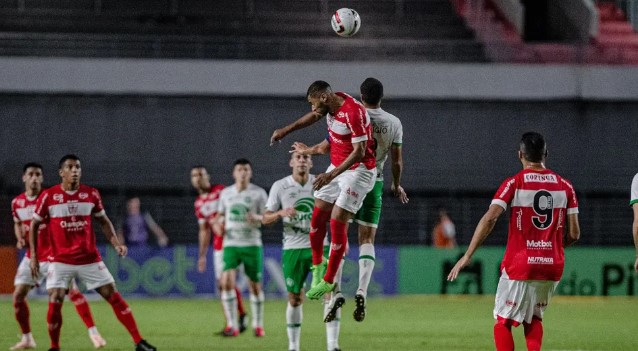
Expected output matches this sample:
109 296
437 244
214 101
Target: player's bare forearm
270 217
573 230
303 122
397 172
204 239
17 230
33 236
108 230
635 227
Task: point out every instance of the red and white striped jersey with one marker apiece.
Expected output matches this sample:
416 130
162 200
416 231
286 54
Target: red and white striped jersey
350 124
206 210
22 208
540 202
69 215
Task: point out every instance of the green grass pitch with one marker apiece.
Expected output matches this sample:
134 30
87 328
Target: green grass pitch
405 323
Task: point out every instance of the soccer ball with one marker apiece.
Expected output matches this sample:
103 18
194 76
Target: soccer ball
346 22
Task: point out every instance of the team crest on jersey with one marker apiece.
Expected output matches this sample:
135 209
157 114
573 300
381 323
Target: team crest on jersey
20 203
83 196
293 195
73 209
341 114
58 197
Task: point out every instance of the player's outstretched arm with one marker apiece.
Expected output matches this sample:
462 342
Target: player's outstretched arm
573 230
635 233
303 122
109 232
397 170
318 149
482 231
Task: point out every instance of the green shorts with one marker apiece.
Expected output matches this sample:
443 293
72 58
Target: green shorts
251 256
370 212
296 264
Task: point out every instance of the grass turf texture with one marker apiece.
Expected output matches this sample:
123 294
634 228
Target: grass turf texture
420 322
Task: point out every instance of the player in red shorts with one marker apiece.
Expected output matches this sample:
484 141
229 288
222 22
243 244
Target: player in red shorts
22 210
206 211
68 209
339 192
542 203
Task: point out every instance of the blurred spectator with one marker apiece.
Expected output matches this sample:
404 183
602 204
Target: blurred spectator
135 227
444 233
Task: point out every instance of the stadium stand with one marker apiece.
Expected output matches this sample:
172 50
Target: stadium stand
408 30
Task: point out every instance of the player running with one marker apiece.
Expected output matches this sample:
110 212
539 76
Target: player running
68 209
291 200
22 208
240 209
206 212
339 192
542 203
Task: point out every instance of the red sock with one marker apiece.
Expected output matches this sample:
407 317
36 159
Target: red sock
339 232
124 315
22 315
84 311
54 319
534 334
503 337
318 225
240 304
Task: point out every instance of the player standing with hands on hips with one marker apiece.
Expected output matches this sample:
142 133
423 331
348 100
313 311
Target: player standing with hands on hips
542 204
339 192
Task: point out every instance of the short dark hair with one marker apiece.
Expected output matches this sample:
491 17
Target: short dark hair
67 157
318 87
242 161
31 165
198 167
533 147
371 91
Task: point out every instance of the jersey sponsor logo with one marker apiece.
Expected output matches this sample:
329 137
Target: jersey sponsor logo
83 196
352 193
539 178
539 244
379 129
304 209
58 197
74 225
238 213
540 260
519 219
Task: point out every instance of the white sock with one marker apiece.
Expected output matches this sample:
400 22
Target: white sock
93 330
257 307
229 302
366 265
294 317
332 329
27 337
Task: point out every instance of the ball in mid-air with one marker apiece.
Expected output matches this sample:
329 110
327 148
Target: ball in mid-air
346 22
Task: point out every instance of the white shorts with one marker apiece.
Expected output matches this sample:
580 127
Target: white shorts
94 275
218 263
349 188
520 300
23 275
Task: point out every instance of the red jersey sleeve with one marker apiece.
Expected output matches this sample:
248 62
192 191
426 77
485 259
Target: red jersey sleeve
98 209
356 120
572 201
42 206
16 219
505 193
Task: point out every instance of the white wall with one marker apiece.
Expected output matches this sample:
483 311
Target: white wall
277 78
